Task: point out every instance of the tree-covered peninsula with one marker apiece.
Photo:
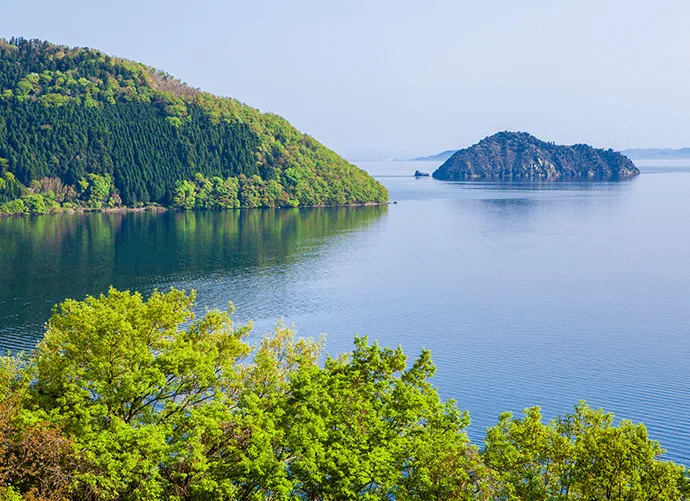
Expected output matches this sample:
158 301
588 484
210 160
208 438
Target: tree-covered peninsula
521 156
82 129
128 398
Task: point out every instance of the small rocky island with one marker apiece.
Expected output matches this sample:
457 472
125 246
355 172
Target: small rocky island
419 173
519 155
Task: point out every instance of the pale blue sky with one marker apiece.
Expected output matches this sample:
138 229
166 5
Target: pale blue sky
405 78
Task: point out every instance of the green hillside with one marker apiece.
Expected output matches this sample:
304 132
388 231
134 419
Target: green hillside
80 128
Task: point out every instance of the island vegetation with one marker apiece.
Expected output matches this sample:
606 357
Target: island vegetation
128 398
519 155
80 129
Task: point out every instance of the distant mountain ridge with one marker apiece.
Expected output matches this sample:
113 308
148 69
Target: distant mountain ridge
439 157
631 153
657 153
519 155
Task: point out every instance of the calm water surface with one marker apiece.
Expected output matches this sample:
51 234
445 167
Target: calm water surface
526 294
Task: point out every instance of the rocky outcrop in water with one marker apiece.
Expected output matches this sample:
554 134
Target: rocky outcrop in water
519 155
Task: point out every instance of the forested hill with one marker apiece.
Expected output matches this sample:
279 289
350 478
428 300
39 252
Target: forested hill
79 128
519 155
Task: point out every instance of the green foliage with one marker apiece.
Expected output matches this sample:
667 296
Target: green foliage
10 188
235 192
360 427
96 190
129 398
580 456
15 207
44 196
185 195
69 113
35 204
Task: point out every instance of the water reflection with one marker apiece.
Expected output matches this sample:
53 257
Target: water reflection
48 258
510 205
546 186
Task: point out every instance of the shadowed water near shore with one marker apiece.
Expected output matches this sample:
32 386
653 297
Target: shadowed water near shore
45 259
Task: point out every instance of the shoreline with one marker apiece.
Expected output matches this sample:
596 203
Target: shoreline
157 208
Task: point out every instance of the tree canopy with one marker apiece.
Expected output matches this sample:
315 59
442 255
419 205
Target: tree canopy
132 398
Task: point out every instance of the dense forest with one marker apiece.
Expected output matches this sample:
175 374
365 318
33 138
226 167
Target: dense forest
79 128
519 155
128 398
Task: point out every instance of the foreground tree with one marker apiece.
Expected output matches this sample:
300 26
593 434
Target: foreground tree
580 456
133 388
363 428
35 457
129 398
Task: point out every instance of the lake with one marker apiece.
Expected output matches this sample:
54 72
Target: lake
527 294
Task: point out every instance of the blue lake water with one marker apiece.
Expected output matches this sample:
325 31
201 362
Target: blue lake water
526 294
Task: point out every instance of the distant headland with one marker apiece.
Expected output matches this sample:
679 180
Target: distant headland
82 130
519 155
631 153
657 153
439 157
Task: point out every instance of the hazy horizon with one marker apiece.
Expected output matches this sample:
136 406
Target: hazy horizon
399 80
